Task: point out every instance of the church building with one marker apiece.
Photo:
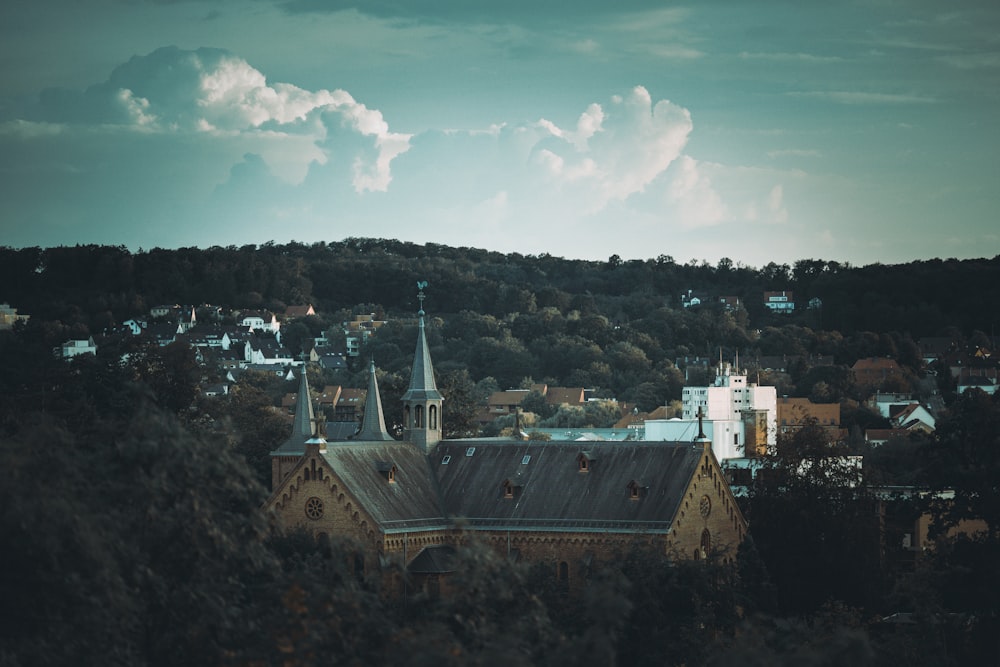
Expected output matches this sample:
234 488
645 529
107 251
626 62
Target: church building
571 505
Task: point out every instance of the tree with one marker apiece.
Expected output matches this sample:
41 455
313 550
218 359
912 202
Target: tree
966 459
461 408
814 524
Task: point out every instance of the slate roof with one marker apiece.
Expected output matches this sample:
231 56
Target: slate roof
340 430
411 501
552 494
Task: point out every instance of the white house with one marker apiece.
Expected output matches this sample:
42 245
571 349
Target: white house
74 348
779 302
257 321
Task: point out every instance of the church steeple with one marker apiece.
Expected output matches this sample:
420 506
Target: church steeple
373 424
422 401
287 455
304 421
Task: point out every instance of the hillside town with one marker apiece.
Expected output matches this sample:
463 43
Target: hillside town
403 461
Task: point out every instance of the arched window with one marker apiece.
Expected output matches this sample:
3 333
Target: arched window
418 416
563 572
432 417
706 542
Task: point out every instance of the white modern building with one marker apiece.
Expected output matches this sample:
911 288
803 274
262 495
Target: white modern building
740 417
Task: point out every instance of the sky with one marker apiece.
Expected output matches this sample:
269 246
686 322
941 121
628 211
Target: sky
756 130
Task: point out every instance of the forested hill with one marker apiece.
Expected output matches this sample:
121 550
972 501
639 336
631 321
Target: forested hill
101 285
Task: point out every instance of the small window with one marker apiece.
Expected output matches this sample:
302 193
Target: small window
470 451
446 460
584 464
525 459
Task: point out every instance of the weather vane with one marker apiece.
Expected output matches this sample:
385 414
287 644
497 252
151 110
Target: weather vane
421 284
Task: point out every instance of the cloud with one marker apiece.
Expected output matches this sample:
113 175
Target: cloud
198 147
215 93
616 152
790 57
863 98
694 201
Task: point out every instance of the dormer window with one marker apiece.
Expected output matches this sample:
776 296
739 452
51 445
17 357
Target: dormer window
511 489
636 490
585 460
387 469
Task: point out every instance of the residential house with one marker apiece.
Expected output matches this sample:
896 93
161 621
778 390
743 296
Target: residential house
880 436
935 348
875 372
779 302
75 348
794 413
253 320
358 330
349 404
331 361
693 298
9 316
134 326
294 312
502 403
731 303
267 350
982 383
164 310
912 417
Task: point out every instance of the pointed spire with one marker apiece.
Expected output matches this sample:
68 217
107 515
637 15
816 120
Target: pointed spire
373 424
302 424
422 384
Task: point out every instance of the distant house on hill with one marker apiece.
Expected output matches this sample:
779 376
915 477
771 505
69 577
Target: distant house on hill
9 316
293 312
779 302
693 298
259 321
358 330
75 348
794 413
874 372
502 403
